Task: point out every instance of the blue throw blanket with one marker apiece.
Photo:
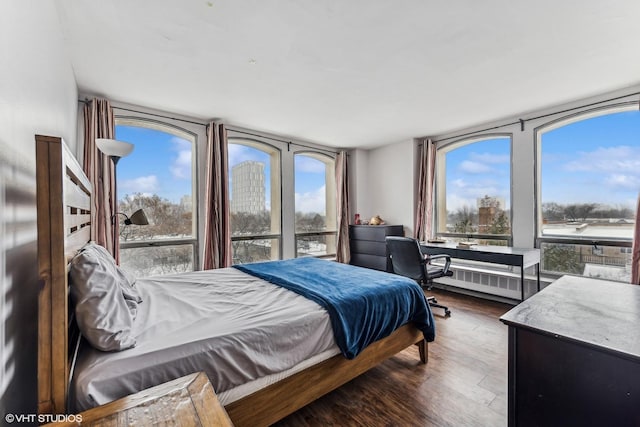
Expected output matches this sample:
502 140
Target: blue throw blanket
364 305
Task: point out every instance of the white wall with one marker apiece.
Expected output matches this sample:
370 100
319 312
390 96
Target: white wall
38 95
385 184
358 176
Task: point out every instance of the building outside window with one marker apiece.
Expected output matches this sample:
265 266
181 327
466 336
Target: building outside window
474 190
588 180
255 201
158 177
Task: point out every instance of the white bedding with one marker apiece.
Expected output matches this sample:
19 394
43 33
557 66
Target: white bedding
242 331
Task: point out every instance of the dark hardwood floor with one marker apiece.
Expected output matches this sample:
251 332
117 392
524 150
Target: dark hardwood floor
464 383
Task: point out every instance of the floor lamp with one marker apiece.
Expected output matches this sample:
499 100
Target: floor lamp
115 150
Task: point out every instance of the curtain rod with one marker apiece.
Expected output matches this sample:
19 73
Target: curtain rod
160 115
86 101
282 140
521 122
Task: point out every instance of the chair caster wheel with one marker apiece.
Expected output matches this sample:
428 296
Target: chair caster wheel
447 313
433 300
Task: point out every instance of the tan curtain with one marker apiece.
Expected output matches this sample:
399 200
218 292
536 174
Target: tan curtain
217 227
99 122
635 252
426 179
342 205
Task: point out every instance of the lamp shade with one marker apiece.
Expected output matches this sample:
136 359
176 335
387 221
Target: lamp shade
114 148
137 218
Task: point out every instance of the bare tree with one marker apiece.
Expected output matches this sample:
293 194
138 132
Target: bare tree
579 211
552 211
465 220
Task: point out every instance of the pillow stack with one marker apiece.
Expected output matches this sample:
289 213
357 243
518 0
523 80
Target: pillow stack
106 300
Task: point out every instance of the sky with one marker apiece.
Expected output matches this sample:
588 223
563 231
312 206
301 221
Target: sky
161 164
596 160
593 161
476 170
309 177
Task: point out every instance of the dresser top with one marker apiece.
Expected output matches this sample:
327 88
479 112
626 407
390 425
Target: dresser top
594 312
186 401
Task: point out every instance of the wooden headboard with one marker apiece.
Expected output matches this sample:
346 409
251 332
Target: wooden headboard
64 219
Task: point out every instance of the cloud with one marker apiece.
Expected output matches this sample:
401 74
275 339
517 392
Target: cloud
479 163
461 192
180 167
239 153
490 158
309 164
142 184
313 201
455 202
469 166
625 181
617 159
459 183
607 169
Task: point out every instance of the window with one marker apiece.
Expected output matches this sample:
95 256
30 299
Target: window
474 190
589 176
315 205
254 181
158 177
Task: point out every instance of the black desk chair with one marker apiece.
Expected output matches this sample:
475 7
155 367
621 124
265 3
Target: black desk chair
408 260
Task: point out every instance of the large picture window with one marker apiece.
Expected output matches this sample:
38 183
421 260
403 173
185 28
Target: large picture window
315 204
254 181
589 176
159 178
474 190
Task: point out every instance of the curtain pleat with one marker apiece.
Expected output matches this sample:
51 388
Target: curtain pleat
217 228
635 251
343 253
426 179
99 122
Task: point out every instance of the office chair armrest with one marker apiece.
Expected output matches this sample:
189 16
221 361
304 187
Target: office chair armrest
447 261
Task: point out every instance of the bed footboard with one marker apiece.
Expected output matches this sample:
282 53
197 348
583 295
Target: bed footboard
278 400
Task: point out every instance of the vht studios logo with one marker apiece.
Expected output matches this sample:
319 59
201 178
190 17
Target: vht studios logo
42 418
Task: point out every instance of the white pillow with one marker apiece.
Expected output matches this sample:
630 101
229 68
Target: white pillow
126 281
103 315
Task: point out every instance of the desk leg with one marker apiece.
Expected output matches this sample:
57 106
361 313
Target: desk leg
538 272
522 282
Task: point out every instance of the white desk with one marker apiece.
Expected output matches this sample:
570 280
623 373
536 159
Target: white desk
505 255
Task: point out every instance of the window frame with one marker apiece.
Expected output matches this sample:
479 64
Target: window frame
328 160
256 143
565 120
167 127
440 217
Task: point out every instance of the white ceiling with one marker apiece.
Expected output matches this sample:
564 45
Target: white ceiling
352 73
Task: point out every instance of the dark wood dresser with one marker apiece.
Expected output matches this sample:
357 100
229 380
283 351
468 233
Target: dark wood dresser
368 246
574 355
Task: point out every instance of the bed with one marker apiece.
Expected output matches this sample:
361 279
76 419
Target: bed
64 196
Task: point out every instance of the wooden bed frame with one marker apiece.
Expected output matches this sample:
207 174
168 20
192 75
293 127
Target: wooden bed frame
64 205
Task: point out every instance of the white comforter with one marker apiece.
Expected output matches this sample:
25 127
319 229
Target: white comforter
238 329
